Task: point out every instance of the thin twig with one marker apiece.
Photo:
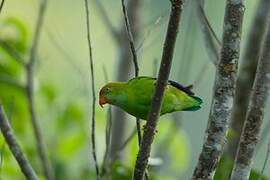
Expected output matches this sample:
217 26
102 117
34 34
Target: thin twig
12 52
164 71
135 60
265 161
2 5
136 67
92 79
124 66
46 166
14 147
130 38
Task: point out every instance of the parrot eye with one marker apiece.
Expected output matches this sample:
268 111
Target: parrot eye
106 90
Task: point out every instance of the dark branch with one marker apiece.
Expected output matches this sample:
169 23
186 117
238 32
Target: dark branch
14 147
164 71
92 79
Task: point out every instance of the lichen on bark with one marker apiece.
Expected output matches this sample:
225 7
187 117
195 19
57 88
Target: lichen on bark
223 92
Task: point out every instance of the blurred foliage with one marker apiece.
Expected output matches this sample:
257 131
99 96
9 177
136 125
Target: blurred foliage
225 167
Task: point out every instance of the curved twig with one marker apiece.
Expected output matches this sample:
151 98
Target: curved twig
92 79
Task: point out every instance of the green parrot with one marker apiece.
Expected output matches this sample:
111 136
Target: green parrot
135 96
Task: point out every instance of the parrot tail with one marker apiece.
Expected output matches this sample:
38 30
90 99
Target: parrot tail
197 106
199 100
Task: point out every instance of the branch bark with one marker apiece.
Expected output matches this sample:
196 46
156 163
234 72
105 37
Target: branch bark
92 79
164 71
255 113
247 73
47 170
14 147
223 94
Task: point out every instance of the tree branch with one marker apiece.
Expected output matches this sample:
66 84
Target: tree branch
14 147
224 87
47 170
92 79
246 74
254 117
164 71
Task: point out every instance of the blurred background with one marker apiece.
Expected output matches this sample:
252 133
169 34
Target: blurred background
63 91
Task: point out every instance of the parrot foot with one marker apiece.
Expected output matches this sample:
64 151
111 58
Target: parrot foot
151 127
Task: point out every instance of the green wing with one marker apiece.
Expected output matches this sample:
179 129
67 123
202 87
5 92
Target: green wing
176 97
141 89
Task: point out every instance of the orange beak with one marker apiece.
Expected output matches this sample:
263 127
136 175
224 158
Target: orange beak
102 101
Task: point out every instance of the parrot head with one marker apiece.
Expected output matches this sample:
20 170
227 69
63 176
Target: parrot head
111 93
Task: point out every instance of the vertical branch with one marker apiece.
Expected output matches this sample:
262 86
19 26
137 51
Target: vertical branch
14 147
255 113
30 93
92 78
164 71
246 75
224 87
